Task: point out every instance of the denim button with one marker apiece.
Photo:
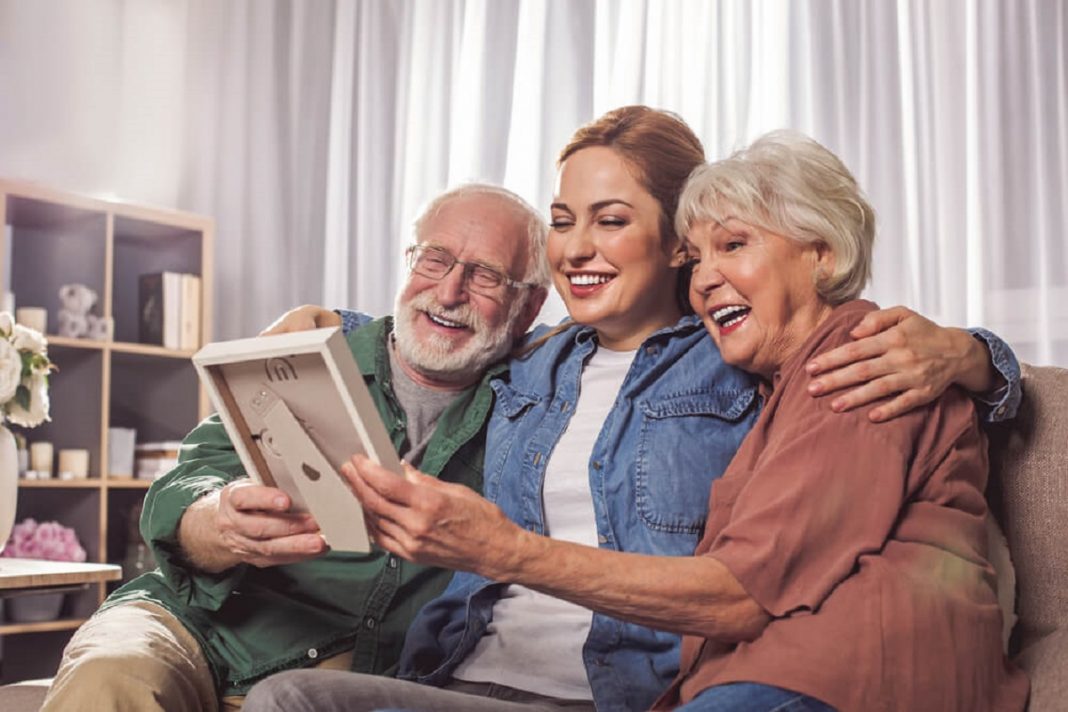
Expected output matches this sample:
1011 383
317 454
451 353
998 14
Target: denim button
370 623
313 653
392 562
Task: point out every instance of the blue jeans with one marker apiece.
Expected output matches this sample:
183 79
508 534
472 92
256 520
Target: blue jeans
752 697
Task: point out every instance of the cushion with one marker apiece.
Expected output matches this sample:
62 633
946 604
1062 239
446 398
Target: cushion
1029 496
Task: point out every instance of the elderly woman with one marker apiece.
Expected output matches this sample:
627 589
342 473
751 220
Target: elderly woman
861 544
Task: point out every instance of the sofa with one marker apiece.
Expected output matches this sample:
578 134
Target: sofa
1028 494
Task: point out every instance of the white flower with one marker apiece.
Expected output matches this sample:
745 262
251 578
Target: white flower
38 410
19 345
10 370
27 339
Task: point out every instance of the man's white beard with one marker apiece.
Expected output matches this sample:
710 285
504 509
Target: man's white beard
435 356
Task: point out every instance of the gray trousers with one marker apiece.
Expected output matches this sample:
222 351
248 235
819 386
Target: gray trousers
334 691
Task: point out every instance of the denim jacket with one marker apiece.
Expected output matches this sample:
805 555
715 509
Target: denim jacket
677 421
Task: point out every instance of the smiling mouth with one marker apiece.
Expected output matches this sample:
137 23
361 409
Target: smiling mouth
589 280
727 317
447 323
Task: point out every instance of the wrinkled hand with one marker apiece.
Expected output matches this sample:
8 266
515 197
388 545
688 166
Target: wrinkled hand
900 355
422 519
254 525
303 318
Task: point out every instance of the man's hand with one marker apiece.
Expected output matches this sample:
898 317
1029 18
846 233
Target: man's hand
422 519
247 523
303 318
900 353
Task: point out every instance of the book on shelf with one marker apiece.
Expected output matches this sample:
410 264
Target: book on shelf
169 310
155 459
189 337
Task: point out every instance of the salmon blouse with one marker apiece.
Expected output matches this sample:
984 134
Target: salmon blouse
865 543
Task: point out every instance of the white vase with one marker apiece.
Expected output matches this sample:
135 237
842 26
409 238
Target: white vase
9 483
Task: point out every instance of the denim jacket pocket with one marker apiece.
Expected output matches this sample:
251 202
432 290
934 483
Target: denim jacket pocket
686 442
511 403
506 429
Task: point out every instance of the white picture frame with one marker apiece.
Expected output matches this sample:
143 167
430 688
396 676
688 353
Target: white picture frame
296 408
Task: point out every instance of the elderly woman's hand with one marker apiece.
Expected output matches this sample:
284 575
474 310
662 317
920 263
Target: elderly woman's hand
303 318
900 353
422 519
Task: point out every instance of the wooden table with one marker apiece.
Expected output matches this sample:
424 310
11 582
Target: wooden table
21 576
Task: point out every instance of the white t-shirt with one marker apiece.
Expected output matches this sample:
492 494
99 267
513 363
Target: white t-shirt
535 641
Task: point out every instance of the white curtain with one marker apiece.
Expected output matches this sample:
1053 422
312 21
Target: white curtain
312 130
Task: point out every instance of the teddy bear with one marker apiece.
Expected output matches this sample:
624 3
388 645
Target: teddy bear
75 321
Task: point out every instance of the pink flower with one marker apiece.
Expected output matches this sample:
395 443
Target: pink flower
48 540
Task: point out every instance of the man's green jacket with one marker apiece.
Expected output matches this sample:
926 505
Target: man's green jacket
252 622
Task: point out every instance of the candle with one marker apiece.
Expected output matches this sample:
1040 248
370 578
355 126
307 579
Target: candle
33 317
41 459
73 464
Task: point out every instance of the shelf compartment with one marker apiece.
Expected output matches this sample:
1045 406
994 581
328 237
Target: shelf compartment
78 508
152 396
52 245
75 392
27 657
143 248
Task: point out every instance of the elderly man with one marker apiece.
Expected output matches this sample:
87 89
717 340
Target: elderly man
246 588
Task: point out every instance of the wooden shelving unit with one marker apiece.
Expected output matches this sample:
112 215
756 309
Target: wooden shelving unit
48 239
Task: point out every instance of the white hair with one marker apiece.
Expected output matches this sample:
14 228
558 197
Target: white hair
536 227
790 184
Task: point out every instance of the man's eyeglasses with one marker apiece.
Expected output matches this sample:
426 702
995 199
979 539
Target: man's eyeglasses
436 262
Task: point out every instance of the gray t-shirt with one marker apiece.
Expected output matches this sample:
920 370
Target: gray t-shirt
422 407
